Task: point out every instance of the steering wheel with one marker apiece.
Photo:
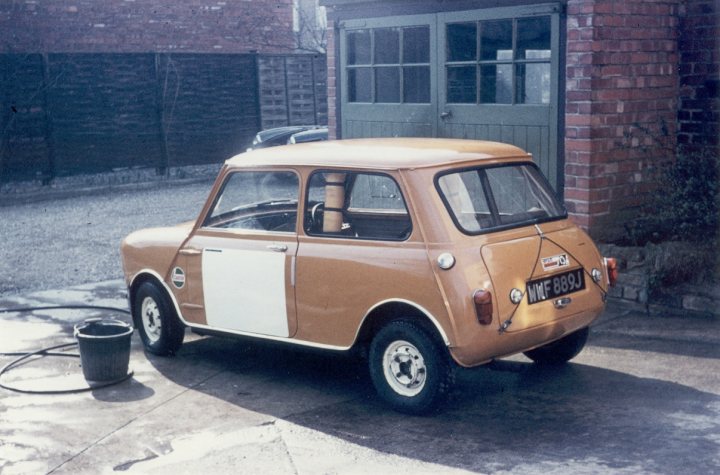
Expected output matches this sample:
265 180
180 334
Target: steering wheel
315 214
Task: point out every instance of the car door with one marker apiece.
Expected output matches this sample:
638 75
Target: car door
240 260
358 250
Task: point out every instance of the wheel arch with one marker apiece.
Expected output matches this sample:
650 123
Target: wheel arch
398 309
149 275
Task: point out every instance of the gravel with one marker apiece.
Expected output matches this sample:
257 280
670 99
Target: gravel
55 243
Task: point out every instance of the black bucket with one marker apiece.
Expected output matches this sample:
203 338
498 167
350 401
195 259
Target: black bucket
104 349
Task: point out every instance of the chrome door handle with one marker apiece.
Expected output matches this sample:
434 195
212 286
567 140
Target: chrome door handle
277 247
190 252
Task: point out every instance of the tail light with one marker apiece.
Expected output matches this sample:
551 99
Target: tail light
612 270
483 306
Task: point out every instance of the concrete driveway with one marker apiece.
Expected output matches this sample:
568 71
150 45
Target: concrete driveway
644 397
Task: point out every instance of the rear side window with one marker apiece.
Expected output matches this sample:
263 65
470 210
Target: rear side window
491 198
356 205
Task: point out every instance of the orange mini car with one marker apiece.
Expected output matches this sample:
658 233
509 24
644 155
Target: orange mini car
425 253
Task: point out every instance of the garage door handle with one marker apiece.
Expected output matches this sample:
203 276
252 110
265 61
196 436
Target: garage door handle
446 115
277 247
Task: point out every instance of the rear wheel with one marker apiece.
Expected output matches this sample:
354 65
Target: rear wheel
562 350
410 369
155 318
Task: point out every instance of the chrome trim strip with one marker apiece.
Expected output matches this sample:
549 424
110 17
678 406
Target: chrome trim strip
292 271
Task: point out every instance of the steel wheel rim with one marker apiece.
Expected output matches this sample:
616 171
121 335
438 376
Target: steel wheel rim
151 319
404 368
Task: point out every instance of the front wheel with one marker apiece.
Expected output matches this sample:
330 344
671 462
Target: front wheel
411 371
155 318
562 350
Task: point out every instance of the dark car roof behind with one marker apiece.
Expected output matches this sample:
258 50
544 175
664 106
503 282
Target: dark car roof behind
270 134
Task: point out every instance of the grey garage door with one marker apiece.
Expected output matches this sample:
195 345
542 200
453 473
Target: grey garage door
487 74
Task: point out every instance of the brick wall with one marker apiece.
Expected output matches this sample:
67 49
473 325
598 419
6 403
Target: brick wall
332 78
102 108
699 114
71 113
23 117
64 114
205 120
229 26
621 105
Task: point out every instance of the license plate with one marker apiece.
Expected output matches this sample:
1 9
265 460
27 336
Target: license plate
557 285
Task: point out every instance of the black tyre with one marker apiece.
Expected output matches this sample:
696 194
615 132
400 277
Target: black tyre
155 318
410 369
562 350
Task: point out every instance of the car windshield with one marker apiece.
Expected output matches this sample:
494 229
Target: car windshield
488 198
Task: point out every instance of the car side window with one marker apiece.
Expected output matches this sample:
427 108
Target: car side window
356 205
258 201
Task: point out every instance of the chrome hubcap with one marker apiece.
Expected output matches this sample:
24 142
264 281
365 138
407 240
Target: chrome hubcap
404 368
151 319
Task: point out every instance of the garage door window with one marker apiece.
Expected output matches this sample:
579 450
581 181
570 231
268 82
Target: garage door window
499 61
389 65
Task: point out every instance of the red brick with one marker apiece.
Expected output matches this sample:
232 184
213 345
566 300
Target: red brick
577 195
578 145
148 26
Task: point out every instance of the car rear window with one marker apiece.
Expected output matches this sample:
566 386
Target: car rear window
484 199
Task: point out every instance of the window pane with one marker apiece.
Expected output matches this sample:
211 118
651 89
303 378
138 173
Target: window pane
462 42
464 194
416 84
387 46
496 84
496 40
360 85
387 84
521 194
375 208
533 83
358 47
376 192
264 201
533 40
416 45
461 82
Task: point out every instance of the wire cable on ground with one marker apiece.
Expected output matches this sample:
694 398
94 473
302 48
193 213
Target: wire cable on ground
49 352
